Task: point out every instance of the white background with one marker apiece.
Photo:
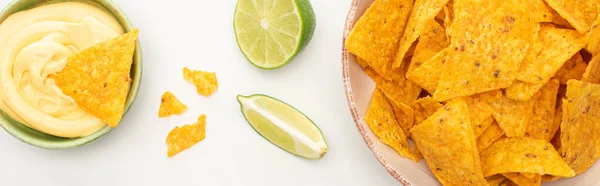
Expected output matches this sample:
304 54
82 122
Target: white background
199 34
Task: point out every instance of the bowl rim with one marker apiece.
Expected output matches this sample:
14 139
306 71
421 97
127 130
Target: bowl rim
8 123
351 102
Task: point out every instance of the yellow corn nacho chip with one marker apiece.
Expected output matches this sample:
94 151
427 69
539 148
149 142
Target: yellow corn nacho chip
523 154
432 41
521 180
513 115
423 12
541 125
540 12
592 72
405 116
522 91
479 112
375 36
529 175
424 107
381 119
489 136
495 180
362 62
559 45
550 178
594 38
559 21
182 138
448 16
399 88
572 69
580 13
486 57
580 125
205 82
170 105
98 79
448 145
428 74
483 126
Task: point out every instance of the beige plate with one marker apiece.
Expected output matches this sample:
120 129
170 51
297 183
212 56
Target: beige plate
359 88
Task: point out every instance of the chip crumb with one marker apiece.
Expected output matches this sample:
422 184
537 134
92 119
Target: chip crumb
206 82
182 138
170 105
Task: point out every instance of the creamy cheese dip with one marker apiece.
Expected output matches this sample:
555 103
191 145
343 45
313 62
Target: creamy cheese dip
34 44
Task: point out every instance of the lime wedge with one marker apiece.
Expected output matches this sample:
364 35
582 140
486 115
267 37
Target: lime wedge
283 126
270 33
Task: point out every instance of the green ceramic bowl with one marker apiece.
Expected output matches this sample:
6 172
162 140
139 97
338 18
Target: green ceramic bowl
39 139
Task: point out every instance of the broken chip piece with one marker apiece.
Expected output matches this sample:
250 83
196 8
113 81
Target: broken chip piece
205 82
102 74
170 105
182 138
382 120
580 146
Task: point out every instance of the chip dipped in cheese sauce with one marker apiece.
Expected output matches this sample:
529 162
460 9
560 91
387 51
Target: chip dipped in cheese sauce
35 44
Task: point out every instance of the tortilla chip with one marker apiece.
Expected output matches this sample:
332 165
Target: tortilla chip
580 13
513 115
448 16
580 125
399 88
479 112
423 12
559 21
481 127
522 180
557 121
424 108
432 41
572 69
170 105
376 35
484 58
550 178
540 12
404 115
522 91
592 72
381 119
523 154
448 145
559 45
594 38
205 82
495 180
362 62
428 74
541 125
489 136
98 79
182 138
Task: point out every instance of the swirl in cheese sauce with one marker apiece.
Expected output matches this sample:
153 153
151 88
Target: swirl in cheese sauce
35 44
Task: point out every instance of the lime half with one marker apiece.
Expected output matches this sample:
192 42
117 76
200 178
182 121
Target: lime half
270 33
284 126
